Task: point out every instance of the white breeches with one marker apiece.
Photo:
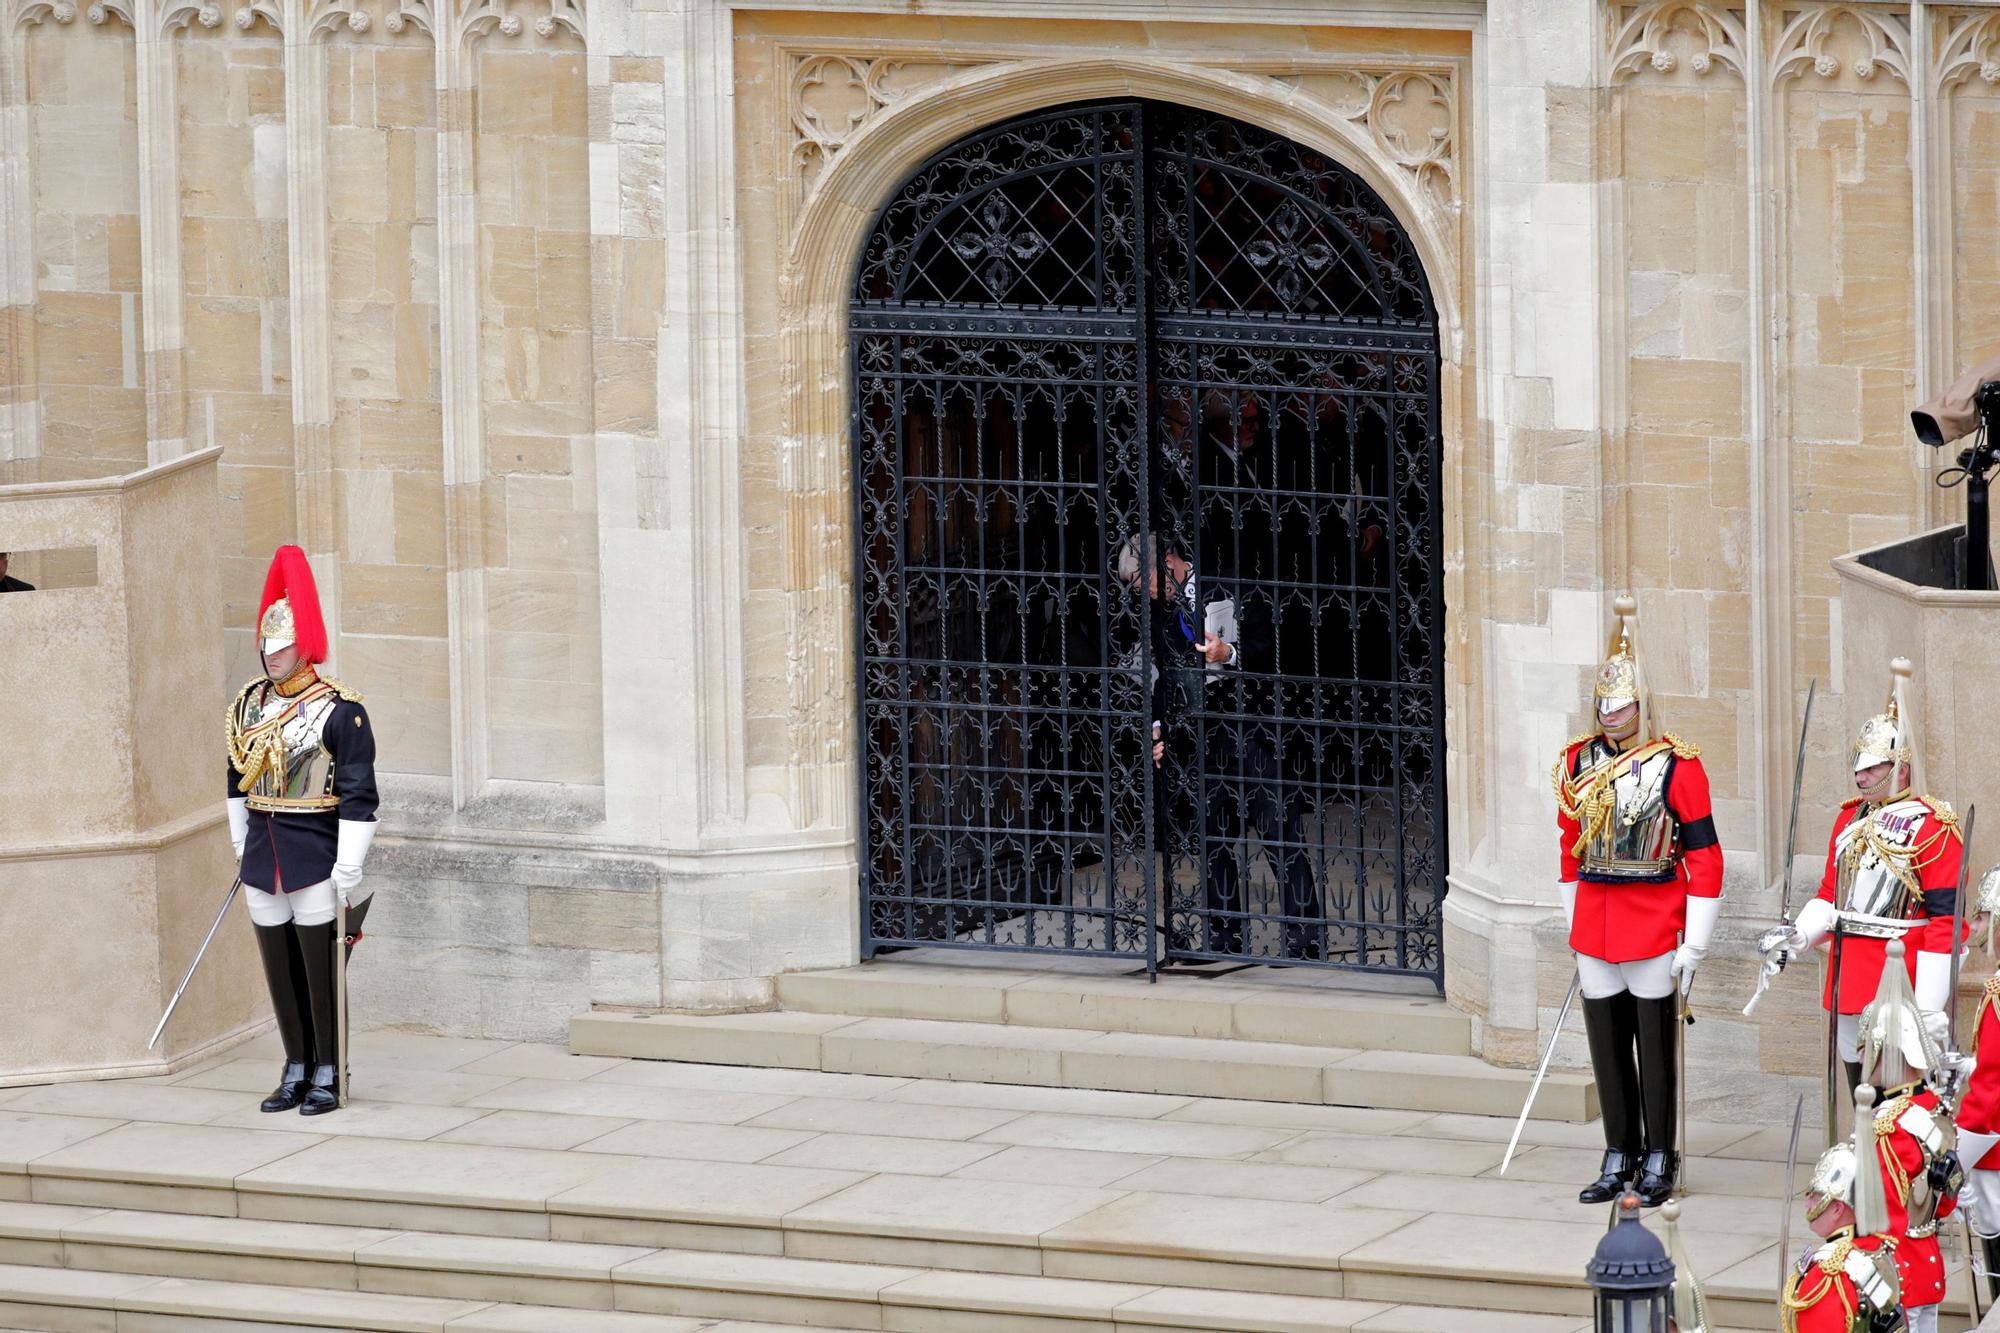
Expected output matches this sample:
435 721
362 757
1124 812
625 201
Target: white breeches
1847 1037
1647 978
1922 1318
1982 1188
310 906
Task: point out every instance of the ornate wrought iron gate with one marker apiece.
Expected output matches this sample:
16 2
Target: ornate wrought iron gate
1129 376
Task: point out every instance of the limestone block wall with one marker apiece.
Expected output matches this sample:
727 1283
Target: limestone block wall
75 375
113 855
527 321
387 428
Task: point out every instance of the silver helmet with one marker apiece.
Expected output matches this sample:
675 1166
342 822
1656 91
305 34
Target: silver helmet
1896 1048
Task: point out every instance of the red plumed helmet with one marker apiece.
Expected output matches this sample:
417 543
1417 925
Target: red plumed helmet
289 612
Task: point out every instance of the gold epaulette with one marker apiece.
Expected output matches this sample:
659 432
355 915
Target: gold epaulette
1852 801
1945 815
1682 749
350 695
1989 998
1831 1261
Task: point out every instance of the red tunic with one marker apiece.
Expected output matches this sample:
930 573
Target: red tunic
1624 922
1918 1259
1819 1301
1861 958
1979 1109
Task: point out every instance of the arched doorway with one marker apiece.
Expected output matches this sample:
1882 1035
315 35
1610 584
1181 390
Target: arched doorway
1131 379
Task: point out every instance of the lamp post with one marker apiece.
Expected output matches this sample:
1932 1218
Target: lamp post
1631 1275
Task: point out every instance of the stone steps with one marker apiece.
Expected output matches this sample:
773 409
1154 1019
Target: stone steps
64 1267
428 1220
1293 1007
1079 1057
62 1300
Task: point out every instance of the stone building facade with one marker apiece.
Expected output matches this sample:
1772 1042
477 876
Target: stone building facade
529 322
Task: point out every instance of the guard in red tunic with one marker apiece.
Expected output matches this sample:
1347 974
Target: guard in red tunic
1847 1284
1913 1140
1978 1118
1891 873
1641 888
301 803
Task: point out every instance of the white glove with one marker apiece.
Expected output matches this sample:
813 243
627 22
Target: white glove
1566 891
1815 923
1933 985
1701 917
355 836
238 809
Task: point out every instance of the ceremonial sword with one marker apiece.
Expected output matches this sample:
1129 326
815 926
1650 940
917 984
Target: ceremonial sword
1791 837
1785 1217
206 940
1569 998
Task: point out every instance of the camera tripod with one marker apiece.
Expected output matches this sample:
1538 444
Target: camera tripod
1974 463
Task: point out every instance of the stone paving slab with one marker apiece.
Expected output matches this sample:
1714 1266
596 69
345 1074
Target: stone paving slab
696 1142
27 1135
549 1130
1115 1134
453 1174
203 1156
930 1208
717 1193
1058 1166
1252 1231
625 1101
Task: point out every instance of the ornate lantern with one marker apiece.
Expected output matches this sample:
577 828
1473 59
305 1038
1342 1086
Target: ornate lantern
1631 1275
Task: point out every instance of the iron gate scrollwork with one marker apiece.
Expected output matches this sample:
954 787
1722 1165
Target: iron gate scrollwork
1146 442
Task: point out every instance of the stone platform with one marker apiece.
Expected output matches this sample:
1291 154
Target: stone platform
487 1187
1255 1034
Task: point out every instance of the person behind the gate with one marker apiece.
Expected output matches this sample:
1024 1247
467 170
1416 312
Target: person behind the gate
1202 631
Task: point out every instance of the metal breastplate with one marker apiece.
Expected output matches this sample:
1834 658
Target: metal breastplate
1874 861
1935 1137
1642 839
300 778
1877 1290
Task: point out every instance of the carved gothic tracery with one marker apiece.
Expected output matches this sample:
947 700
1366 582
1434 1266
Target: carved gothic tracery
1410 114
1667 35
1825 40
834 96
1970 49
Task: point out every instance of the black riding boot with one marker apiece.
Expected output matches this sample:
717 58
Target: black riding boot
285 976
316 946
1990 1250
1609 1025
1659 1089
